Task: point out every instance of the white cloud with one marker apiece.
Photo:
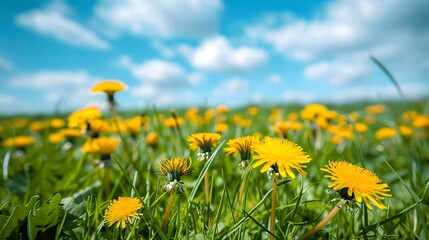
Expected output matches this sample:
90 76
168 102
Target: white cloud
347 33
163 49
163 82
53 20
412 91
217 54
5 65
165 18
233 86
72 87
274 78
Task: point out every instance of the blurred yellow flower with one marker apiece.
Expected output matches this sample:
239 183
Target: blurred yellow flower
375 109
172 122
356 182
81 117
38 126
385 132
103 145
410 115
19 122
55 137
361 127
134 124
18 142
222 109
313 110
122 211
220 127
57 123
70 133
405 130
280 156
109 86
421 121
253 111
284 127
152 139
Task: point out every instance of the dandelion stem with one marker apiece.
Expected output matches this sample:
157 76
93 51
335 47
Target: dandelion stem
273 210
240 195
207 191
106 182
167 210
124 143
322 223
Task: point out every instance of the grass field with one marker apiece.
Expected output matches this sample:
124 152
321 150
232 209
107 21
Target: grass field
56 185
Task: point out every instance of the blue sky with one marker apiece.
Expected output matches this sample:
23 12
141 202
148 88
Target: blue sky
209 52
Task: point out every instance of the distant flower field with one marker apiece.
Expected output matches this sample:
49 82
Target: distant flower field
259 172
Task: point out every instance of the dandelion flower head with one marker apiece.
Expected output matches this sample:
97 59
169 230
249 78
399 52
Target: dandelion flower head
122 211
280 154
358 182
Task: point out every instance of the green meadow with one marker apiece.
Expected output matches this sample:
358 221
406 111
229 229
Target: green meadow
52 188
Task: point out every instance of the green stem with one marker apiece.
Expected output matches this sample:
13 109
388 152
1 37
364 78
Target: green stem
240 196
322 223
207 192
107 182
273 210
167 210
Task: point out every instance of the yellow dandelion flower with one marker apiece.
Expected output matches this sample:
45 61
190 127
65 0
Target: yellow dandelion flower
421 121
281 156
253 111
172 122
152 139
385 132
220 127
204 141
356 182
70 133
19 122
122 211
410 115
222 109
312 111
55 137
81 117
243 146
18 142
103 145
375 109
38 126
405 130
361 127
134 124
57 123
109 86
173 169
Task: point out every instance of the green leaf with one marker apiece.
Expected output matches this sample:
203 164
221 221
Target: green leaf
18 215
45 217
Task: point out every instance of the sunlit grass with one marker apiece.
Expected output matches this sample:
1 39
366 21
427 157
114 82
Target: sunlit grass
51 189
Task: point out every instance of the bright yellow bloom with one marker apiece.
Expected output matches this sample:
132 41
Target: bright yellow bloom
109 87
19 122
405 130
375 109
172 122
134 124
122 211
55 137
81 117
284 127
57 123
173 169
313 110
410 115
281 155
357 182
18 142
421 121
242 145
152 139
222 109
204 141
385 132
70 133
361 127
220 127
103 145
253 111
38 126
